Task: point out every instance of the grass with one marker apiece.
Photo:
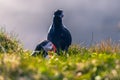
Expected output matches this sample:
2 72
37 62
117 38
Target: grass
98 62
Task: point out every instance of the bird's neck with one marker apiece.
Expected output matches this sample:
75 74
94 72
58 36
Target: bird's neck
57 22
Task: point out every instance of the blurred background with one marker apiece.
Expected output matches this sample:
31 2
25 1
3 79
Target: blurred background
31 19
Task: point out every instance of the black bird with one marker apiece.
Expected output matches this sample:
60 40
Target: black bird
43 48
58 34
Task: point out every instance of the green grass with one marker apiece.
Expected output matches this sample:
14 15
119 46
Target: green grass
98 62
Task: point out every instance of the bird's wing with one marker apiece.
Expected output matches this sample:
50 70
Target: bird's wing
50 28
67 37
50 32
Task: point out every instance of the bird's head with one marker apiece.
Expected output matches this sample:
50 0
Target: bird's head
50 49
49 46
59 13
46 46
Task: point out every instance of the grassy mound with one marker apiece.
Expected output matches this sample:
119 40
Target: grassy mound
98 62
80 64
9 42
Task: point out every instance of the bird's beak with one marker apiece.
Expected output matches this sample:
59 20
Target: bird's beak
54 48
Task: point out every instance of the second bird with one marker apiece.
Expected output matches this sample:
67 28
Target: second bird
58 34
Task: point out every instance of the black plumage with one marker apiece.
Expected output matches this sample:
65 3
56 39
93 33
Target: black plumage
58 34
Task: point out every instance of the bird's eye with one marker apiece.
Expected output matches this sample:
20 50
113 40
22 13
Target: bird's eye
50 45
